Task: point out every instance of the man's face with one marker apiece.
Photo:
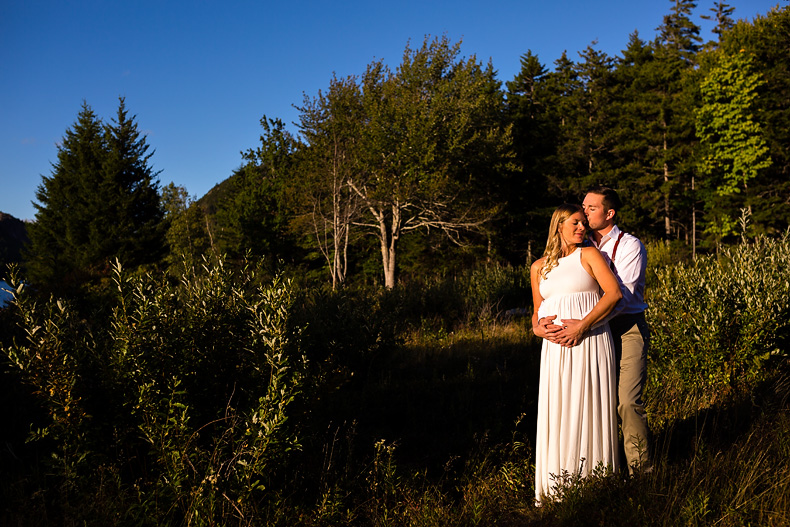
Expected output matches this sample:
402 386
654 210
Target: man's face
597 216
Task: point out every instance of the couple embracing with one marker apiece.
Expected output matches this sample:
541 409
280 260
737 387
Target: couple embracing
588 297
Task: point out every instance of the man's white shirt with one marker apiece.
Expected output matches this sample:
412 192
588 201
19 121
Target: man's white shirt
630 266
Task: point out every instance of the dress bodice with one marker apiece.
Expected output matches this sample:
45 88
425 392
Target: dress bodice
568 277
568 290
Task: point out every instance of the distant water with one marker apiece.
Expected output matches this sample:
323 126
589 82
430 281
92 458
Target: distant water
5 296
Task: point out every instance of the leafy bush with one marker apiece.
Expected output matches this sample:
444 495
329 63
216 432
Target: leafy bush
182 395
715 323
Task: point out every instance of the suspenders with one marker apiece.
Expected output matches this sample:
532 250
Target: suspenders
614 251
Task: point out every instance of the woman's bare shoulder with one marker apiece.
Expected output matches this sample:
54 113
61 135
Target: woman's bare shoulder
591 252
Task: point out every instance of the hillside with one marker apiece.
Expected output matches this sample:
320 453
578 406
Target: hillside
13 236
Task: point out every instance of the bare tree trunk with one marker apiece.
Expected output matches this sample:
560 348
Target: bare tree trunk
667 224
335 223
336 276
693 221
389 244
210 237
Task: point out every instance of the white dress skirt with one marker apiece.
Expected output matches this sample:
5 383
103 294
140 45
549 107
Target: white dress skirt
577 400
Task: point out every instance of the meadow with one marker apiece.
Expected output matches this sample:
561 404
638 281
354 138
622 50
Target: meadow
234 397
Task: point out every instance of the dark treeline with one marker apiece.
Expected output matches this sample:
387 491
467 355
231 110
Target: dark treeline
436 165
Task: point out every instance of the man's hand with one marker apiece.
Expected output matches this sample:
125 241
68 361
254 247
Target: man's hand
547 329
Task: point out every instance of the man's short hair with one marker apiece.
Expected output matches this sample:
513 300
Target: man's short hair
611 201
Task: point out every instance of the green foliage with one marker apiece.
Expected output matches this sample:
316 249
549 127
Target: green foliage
722 16
195 405
100 202
183 393
187 230
765 40
326 207
51 358
219 395
253 214
432 132
734 150
715 323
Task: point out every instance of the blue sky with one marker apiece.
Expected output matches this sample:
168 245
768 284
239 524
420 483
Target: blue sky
200 75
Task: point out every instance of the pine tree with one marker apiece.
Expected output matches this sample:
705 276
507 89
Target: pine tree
101 202
128 223
676 55
566 163
722 15
59 248
525 199
678 33
596 126
637 160
253 216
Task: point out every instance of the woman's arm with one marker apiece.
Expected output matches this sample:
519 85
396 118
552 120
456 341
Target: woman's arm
547 330
593 263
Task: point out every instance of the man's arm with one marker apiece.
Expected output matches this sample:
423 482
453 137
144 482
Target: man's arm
630 266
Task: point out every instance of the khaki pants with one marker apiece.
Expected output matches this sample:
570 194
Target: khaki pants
631 341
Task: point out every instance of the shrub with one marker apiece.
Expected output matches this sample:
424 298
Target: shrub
182 395
714 323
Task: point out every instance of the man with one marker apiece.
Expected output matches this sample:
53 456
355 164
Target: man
628 261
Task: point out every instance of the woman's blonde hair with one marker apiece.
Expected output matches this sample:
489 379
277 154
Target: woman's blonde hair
554 243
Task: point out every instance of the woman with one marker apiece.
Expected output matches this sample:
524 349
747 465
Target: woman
577 419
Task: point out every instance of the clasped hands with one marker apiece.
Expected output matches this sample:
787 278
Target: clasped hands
568 334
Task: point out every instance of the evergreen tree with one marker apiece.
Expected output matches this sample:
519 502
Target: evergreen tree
676 51
722 15
565 164
580 97
595 128
678 33
523 193
100 202
128 220
253 216
637 158
60 249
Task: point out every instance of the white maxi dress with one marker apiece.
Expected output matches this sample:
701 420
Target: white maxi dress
577 400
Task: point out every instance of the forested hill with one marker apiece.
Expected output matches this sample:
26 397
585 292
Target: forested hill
13 235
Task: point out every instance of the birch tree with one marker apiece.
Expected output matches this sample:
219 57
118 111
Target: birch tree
432 131
330 124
